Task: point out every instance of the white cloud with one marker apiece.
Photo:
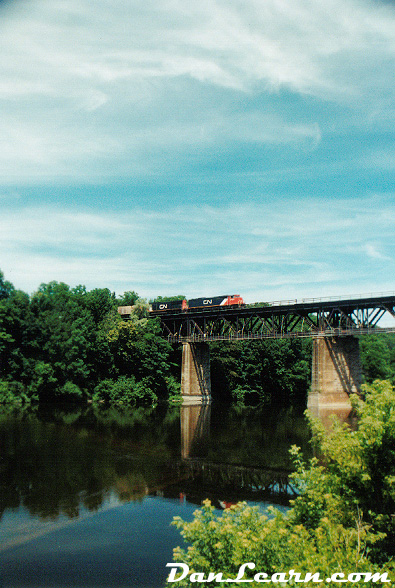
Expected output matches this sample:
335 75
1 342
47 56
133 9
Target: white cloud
373 251
95 90
273 252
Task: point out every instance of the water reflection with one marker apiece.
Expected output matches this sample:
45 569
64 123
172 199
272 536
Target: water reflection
195 430
87 494
59 462
202 469
99 485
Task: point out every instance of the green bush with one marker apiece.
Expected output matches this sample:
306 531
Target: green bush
241 534
12 393
342 520
174 389
71 391
124 390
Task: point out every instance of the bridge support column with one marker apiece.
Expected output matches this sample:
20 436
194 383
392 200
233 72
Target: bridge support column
336 371
195 373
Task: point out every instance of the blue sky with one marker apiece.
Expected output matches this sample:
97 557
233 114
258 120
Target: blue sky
201 148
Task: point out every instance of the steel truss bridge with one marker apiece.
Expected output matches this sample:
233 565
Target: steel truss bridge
290 319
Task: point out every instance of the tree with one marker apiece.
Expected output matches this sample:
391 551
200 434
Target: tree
99 302
128 298
61 335
375 358
263 370
6 288
168 298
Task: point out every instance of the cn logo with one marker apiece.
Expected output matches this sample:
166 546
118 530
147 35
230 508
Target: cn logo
207 302
162 306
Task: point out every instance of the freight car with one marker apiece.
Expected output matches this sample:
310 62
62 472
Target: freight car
164 305
209 302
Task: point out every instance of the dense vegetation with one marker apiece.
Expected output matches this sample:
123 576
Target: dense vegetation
342 521
64 343
261 371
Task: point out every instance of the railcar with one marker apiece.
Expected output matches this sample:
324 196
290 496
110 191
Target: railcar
164 305
209 302
226 300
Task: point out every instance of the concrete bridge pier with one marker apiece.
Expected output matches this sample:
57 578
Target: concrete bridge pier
336 372
195 373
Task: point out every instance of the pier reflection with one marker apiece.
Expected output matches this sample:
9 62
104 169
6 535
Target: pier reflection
195 430
326 414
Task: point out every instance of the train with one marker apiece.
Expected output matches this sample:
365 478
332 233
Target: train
209 302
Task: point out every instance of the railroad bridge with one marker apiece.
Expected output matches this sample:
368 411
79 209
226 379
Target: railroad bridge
335 326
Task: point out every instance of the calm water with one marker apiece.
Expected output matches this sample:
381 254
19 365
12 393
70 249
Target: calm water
87 495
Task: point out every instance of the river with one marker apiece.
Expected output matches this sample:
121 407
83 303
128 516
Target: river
87 494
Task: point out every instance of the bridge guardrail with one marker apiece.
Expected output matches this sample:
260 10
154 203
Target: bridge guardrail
290 301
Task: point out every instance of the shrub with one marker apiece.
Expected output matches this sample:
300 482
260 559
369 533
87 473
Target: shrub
12 393
71 391
241 534
342 521
124 390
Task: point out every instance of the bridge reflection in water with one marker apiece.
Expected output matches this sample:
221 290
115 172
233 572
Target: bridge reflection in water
57 463
237 481
84 487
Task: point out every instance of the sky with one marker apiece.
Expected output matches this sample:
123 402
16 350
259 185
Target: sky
199 148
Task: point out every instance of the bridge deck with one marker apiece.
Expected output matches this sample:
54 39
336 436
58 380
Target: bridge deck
326 318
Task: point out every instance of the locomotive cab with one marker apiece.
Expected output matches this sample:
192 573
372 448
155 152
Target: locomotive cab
234 299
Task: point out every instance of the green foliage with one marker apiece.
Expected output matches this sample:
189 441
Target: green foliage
222 543
12 393
128 298
342 520
140 309
174 388
71 391
61 343
168 298
378 357
124 390
359 472
99 302
6 288
263 371
136 347
43 381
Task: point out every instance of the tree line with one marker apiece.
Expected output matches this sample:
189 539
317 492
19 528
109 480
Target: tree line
71 344
64 343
